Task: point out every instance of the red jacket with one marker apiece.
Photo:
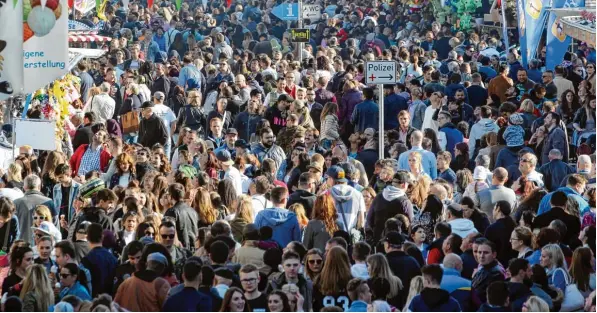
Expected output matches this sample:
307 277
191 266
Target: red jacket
75 160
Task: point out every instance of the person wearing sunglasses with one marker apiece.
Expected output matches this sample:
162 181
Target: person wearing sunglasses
69 282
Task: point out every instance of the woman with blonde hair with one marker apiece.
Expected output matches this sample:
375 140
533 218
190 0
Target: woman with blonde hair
535 304
330 126
416 286
552 259
333 279
37 294
14 176
242 217
527 108
41 213
323 223
378 266
48 180
93 91
205 210
418 191
415 164
299 210
192 115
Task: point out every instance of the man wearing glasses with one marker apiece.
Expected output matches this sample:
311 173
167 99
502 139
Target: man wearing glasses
249 279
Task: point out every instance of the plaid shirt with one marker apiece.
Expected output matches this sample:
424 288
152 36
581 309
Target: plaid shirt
90 161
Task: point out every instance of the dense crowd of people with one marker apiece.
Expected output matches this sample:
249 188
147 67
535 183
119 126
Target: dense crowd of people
210 165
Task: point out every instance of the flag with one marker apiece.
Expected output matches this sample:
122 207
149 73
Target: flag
535 18
522 32
178 4
557 41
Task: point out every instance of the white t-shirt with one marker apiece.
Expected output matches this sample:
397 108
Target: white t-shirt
428 121
234 175
166 114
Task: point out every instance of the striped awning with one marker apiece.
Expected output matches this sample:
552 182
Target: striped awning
86 36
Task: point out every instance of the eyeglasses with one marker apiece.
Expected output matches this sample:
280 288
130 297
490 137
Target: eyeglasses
317 261
514 239
525 161
37 217
39 235
167 236
248 280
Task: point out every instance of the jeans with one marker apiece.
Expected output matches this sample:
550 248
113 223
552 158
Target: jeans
131 138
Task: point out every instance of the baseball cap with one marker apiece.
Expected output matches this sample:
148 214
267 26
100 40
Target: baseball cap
91 187
49 229
232 131
157 257
159 95
393 238
224 157
241 143
480 173
337 173
188 171
209 145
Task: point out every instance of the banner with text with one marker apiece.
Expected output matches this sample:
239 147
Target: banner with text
11 48
45 42
557 41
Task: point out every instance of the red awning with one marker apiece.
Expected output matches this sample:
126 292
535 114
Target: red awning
86 36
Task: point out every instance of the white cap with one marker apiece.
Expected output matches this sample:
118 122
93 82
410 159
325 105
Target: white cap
480 173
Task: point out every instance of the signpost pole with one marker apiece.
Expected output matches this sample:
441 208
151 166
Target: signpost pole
381 121
300 25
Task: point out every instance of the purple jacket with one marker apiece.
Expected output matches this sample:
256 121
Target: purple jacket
350 99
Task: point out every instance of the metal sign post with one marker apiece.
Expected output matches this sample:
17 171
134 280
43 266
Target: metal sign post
380 73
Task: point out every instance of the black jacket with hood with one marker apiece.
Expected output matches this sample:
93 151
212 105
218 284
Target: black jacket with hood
390 202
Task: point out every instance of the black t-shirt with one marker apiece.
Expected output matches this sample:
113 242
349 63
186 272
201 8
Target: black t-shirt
259 304
64 202
320 300
9 282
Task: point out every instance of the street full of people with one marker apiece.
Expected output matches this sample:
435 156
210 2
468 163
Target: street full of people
212 165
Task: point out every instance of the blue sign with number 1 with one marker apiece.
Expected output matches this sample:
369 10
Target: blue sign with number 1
286 11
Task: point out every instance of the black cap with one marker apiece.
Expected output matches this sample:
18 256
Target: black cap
224 272
147 104
393 238
232 131
388 86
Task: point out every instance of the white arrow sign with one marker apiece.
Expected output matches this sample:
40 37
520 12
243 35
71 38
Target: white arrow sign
312 11
380 72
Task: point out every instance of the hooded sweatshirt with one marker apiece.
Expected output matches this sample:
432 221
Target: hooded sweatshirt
390 202
462 227
349 203
485 125
434 300
283 222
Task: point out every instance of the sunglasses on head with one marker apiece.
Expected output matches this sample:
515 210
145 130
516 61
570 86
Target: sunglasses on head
167 236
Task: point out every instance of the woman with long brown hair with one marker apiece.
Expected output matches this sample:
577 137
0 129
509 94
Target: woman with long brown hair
329 288
125 171
581 270
313 263
235 301
206 212
48 180
323 223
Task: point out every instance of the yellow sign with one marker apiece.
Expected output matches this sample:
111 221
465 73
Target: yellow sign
534 8
300 34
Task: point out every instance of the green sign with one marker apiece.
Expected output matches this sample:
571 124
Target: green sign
300 34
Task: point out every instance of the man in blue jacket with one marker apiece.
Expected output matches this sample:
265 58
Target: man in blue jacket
458 287
429 161
575 187
555 170
393 104
366 113
283 222
189 299
432 298
448 135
